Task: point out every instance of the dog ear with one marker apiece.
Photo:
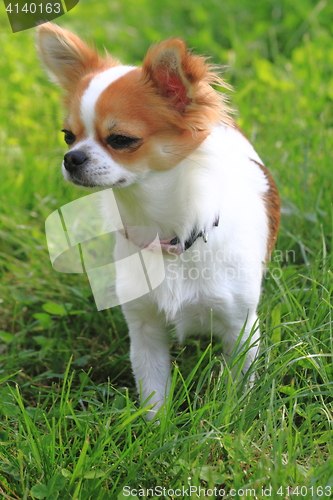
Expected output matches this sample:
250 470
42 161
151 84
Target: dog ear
66 56
175 72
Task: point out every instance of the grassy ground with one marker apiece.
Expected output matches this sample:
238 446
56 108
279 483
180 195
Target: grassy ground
70 426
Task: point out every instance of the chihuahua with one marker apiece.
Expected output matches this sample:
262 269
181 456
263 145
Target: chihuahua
163 139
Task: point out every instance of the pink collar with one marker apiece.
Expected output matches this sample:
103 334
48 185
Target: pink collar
172 246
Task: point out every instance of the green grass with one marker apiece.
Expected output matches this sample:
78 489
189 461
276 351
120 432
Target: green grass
70 424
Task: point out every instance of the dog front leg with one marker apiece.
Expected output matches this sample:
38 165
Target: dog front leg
150 363
249 344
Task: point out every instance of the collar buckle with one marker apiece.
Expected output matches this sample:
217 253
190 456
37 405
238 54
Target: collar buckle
204 234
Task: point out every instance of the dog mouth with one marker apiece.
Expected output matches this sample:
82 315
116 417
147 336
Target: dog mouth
81 182
83 175
84 182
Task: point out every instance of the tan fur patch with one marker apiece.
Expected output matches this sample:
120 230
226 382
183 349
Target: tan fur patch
203 107
125 108
68 57
272 204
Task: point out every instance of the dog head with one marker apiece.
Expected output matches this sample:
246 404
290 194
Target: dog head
124 121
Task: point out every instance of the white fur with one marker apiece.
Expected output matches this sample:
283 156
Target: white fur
97 85
219 178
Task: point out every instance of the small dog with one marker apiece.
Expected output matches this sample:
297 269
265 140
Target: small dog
163 139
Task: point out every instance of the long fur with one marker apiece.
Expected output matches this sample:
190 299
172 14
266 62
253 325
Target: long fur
189 165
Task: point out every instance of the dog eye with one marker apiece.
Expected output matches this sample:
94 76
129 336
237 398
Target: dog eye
69 137
117 141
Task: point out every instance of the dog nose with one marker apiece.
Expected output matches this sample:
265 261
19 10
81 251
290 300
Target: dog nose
74 159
